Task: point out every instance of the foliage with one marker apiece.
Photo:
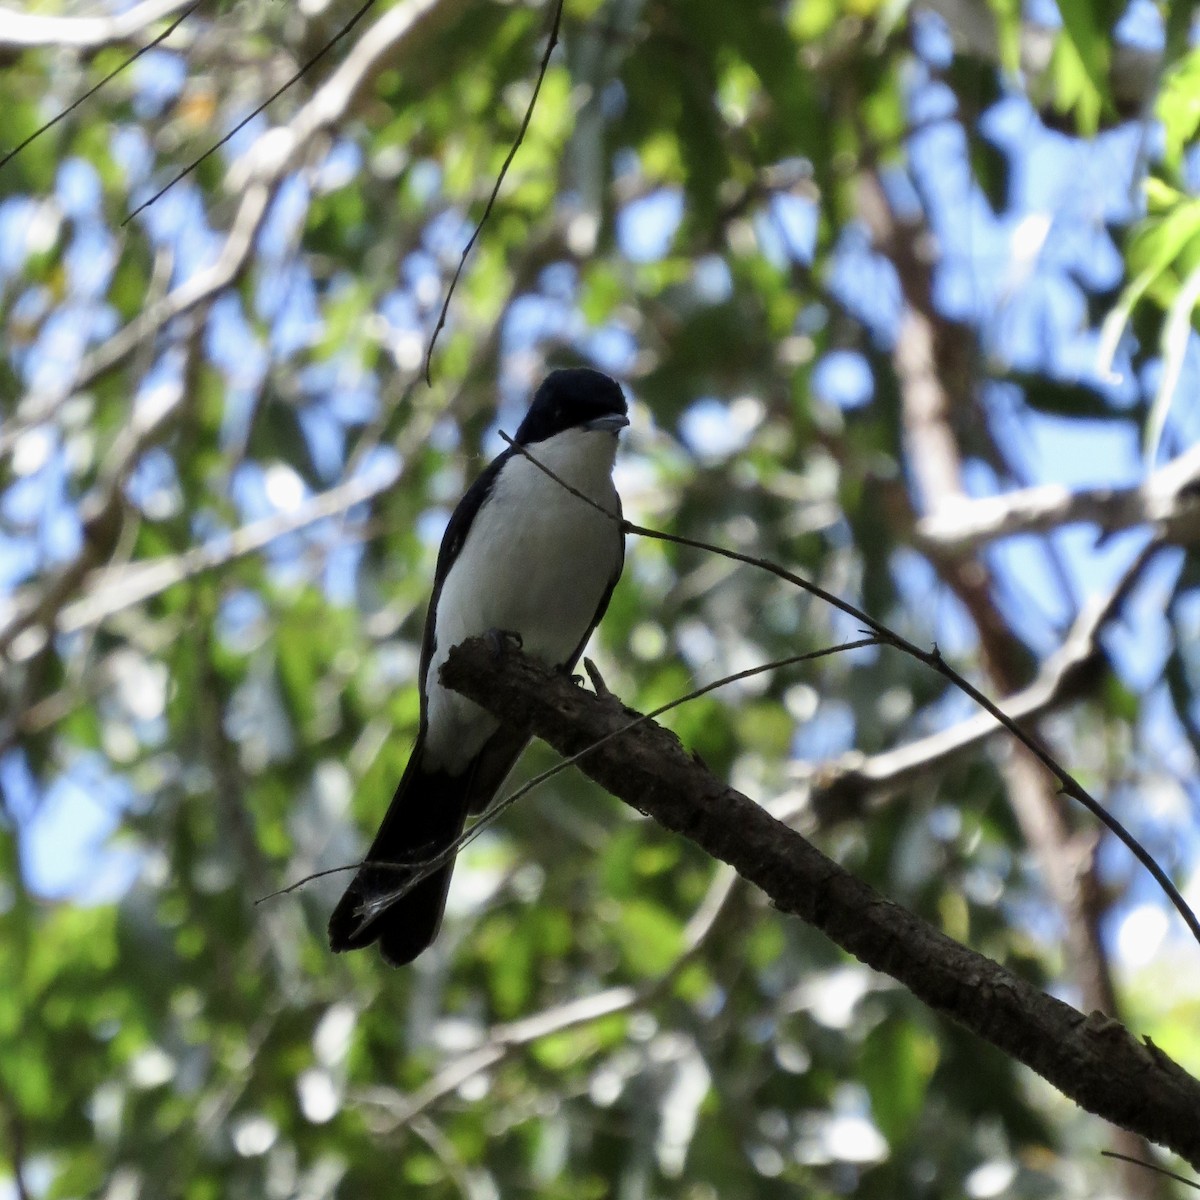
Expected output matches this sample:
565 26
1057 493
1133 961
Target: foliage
221 528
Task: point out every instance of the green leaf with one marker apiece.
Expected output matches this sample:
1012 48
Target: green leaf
649 937
1155 246
1178 108
897 1060
1086 26
1075 86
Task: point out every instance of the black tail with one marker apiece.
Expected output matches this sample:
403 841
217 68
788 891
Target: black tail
426 815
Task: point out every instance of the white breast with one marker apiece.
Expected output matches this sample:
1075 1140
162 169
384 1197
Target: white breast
536 562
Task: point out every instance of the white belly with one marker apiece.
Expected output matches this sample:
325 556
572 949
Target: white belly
536 562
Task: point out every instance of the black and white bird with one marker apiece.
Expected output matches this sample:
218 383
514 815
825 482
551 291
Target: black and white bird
520 555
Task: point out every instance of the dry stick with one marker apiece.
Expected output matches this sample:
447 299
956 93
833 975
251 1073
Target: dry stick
333 41
487 211
426 866
66 112
1068 784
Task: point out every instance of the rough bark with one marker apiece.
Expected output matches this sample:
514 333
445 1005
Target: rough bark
1092 1059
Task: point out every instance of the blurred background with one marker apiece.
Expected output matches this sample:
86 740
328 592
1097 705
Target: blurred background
902 297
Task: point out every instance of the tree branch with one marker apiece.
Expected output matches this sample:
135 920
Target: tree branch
102 511
118 588
936 363
1067 783
254 179
841 789
1168 498
1093 1060
502 1040
29 31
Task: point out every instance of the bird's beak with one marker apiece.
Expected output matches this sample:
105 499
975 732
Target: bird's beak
611 423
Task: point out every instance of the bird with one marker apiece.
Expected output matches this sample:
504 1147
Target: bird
521 557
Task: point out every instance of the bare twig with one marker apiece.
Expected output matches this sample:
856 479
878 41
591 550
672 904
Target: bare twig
162 37
1169 498
421 865
469 1185
844 783
487 211
16 1136
253 179
412 873
119 588
110 590
1067 782
502 1040
1092 1059
102 511
193 292
1140 1162
937 366
304 68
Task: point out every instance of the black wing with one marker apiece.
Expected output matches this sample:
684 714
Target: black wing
457 529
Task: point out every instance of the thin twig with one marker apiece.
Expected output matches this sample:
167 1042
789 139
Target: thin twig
415 872
252 183
487 211
37 133
1165 498
118 588
895 768
469 1187
503 1039
1092 1059
422 867
1138 1162
1068 784
363 9
778 664
21 31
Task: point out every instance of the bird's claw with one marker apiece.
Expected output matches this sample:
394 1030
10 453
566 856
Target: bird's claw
601 688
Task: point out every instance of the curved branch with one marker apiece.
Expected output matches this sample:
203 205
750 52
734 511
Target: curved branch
1067 783
841 789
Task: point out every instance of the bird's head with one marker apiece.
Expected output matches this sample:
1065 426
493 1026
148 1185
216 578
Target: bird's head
575 398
